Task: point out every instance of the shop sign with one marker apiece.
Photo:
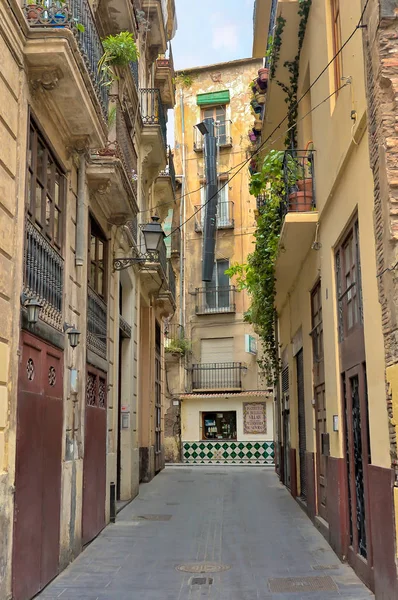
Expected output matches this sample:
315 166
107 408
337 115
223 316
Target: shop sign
254 417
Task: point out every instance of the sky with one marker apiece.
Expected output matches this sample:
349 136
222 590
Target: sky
210 31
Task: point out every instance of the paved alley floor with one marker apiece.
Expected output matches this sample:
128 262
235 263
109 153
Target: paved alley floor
239 519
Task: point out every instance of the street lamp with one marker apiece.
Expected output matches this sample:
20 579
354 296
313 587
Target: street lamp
32 306
153 237
73 334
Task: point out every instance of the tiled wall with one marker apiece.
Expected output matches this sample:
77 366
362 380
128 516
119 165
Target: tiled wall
229 452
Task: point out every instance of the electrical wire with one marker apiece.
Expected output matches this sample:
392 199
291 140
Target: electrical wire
261 147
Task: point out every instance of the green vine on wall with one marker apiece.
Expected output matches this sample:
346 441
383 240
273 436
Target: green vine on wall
276 45
293 68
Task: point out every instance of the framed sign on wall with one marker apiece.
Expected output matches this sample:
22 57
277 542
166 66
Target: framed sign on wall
254 417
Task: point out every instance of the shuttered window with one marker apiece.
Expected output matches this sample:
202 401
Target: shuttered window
217 350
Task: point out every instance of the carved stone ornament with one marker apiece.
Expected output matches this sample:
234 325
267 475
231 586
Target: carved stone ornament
46 80
216 77
105 187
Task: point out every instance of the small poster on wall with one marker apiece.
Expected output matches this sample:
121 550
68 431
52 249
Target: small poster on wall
254 417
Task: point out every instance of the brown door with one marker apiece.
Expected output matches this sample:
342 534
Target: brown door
94 465
355 402
158 400
320 398
38 467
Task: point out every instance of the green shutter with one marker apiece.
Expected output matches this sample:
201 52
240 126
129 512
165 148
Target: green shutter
213 98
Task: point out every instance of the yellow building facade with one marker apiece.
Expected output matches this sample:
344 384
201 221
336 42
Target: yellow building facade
332 425
217 394
82 163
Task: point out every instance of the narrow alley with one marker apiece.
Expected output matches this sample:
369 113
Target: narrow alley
239 522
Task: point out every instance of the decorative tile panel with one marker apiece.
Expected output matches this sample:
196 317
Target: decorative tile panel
224 452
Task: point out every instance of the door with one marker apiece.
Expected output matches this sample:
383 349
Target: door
217 367
38 467
94 464
301 423
318 368
286 425
218 290
158 399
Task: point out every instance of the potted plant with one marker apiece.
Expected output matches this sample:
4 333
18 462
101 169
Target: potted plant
119 51
258 124
263 74
35 9
177 346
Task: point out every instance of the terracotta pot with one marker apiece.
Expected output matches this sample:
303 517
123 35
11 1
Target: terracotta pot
258 125
34 12
305 185
300 201
262 85
263 74
260 98
252 136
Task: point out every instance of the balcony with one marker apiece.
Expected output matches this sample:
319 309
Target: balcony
300 218
223 136
116 16
62 62
154 133
96 324
112 172
217 377
215 300
165 188
132 231
164 79
44 276
225 216
161 16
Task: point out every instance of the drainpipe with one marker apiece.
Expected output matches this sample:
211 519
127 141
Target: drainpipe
182 214
81 182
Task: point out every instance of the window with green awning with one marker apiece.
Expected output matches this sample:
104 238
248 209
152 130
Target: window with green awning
213 98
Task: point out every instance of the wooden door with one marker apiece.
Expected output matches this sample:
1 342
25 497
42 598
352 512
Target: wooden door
318 369
94 465
301 423
38 467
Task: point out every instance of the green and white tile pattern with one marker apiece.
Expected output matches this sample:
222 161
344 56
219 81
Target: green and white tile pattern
229 452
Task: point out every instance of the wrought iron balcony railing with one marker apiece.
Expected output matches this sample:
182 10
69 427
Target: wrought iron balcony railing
299 178
217 376
96 323
271 28
152 111
134 72
225 216
169 171
43 275
127 152
222 133
211 300
261 200
77 16
172 331
133 229
171 278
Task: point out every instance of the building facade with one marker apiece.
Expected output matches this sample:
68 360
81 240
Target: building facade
220 409
335 316
83 163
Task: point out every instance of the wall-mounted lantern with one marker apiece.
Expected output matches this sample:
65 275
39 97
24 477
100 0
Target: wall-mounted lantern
32 306
73 335
153 236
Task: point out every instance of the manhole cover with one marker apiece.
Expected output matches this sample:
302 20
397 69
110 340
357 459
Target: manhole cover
155 517
302 584
203 568
325 567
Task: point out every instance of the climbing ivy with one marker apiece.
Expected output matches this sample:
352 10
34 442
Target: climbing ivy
257 276
293 68
276 45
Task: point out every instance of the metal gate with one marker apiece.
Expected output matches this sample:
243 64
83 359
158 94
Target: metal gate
286 425
301 423
94 466
38 467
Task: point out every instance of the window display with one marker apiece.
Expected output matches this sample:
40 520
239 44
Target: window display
219 425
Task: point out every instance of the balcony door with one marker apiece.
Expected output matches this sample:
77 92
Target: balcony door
217 366
217 290
224 217
218 113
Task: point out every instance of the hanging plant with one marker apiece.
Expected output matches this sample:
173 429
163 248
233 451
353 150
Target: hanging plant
276 45
119 51
184 80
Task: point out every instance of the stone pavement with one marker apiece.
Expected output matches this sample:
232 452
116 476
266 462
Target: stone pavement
241 518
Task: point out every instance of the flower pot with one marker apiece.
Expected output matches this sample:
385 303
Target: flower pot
258 125
252 136
300 201
59 20
255 106
263 74
260 98
34 12
305 185
261 85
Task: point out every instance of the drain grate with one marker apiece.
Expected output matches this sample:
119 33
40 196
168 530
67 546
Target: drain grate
203 568
155 517
302 584
201 581
325 567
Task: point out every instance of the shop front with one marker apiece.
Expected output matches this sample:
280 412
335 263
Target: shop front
227 428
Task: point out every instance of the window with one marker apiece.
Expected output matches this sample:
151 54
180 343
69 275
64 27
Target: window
97 255
219 114
336 33
218 289
348 283
219 425
45 189
317 324
223 207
